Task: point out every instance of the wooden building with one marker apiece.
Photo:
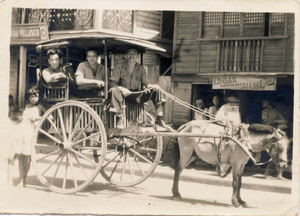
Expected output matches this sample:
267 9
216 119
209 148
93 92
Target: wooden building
216 46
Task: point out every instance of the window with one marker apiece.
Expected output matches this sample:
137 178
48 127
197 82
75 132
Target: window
232 18
212 18
277 17
253 17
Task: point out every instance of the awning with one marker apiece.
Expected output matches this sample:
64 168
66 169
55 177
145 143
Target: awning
94 41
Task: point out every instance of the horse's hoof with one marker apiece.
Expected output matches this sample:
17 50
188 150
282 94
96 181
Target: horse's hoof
236 204
244 205
176 198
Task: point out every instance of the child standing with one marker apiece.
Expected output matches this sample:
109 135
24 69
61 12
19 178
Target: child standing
31 116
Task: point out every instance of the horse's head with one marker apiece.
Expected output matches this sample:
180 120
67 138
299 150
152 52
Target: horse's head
278 148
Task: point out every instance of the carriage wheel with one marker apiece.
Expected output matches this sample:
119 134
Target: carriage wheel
131 159
64 144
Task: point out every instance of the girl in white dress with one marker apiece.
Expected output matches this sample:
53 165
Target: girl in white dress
31 115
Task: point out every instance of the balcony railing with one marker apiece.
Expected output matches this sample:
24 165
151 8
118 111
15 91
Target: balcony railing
56 19
241 54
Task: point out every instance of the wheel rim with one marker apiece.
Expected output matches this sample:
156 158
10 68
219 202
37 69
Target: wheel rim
131 159
63 148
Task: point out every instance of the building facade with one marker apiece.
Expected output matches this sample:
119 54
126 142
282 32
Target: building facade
252 53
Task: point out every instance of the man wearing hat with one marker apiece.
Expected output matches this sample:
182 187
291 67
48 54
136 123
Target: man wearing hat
130 77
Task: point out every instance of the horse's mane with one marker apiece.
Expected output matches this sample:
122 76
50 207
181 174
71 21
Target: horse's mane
260 128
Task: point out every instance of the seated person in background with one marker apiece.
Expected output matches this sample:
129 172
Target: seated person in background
216 106
90 73
198 115
54 74
130 77
271 116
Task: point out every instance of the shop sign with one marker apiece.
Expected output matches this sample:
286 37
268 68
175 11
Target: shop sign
29 33
245 83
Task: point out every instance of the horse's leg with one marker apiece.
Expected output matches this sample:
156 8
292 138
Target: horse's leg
185 159
235 185
243 203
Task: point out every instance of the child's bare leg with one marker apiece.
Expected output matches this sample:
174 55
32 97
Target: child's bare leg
21 168
10 166
27 160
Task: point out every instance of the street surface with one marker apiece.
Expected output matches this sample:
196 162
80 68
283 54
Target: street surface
150 197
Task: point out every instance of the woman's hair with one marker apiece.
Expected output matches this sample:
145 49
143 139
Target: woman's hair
51 52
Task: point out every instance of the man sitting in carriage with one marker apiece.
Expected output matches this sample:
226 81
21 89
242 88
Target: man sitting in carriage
90 75
54 74
131 77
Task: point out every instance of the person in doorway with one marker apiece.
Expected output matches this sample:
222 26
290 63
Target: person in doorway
54 73
198 115
271 116
90 74
131 77
215 108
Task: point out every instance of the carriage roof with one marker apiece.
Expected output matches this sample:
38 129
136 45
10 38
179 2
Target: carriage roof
113 44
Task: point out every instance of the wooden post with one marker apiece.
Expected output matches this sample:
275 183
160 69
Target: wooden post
106 71
22 76
175 43
257 55
218 57
241 30
200 25
231 56
235 55
248 55
262 55
226 55
222 25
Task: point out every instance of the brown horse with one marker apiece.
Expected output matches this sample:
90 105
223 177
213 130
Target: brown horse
232 155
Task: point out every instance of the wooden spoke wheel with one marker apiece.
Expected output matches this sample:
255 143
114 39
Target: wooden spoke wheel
65 142
131 159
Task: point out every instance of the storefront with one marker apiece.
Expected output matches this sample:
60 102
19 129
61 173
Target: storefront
23 59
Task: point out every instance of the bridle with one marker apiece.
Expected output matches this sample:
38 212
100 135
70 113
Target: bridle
243 129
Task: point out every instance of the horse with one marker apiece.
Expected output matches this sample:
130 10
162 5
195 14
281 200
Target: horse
232 156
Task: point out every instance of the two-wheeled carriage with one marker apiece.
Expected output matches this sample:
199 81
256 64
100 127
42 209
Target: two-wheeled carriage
77 138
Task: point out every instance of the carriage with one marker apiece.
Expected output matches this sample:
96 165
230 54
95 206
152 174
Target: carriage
76 139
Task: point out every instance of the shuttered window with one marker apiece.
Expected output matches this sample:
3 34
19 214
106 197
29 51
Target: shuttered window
212 18
253 18
232 18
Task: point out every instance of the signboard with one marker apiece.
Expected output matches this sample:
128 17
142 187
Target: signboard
245 83
29 33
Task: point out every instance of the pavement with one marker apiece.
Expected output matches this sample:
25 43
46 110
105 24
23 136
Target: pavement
253 178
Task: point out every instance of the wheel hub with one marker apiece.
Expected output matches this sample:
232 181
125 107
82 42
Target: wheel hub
66 145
